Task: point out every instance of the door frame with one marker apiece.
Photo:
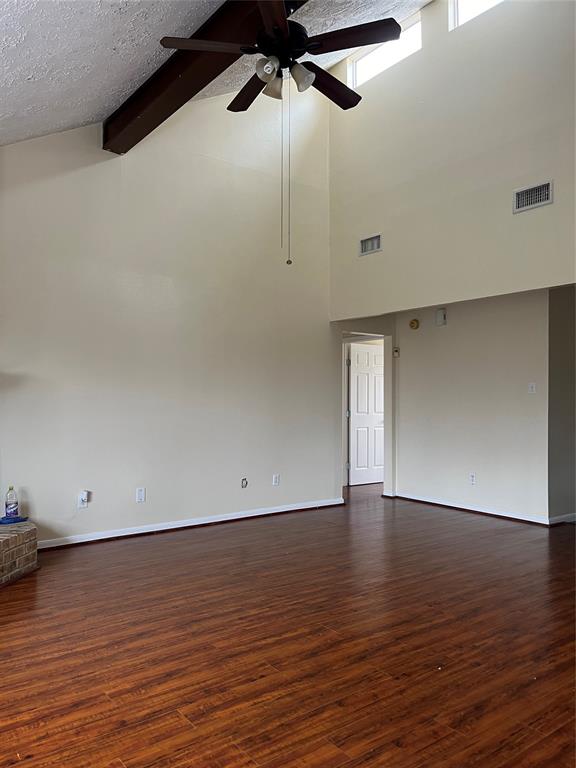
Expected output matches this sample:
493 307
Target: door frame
348 337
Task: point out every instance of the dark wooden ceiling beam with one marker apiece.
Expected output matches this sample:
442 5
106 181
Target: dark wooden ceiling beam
183 75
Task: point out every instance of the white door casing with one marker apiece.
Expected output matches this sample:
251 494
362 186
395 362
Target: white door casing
366 427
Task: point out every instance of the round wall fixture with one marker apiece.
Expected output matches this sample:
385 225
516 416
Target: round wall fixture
414 324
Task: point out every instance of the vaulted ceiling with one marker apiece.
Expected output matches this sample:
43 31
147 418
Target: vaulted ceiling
67 63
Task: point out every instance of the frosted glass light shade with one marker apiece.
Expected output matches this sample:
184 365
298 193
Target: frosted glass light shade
267 68
302 77
274 88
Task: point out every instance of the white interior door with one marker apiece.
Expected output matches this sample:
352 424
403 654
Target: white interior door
366 454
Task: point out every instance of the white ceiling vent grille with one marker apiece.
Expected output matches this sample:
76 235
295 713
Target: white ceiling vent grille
533 197
370 245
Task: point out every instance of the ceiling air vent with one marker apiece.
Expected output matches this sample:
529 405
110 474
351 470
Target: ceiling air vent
532 197
370 245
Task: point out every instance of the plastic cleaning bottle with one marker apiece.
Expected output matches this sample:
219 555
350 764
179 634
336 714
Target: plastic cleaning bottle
11 505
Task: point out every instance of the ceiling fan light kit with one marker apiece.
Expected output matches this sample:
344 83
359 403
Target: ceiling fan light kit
302 76
267 68
282 41
274 87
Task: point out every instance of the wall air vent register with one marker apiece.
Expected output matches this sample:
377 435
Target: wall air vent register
370 244
533 197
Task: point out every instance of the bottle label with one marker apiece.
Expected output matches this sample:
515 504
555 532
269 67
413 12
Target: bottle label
11 509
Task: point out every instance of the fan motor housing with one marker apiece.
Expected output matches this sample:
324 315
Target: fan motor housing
286 51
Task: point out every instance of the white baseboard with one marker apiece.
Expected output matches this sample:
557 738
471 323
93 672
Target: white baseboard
188 523
467 507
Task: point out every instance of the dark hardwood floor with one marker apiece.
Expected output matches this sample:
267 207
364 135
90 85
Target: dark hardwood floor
388 633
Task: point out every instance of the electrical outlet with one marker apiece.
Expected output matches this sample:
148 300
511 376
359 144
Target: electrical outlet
140 495
472 478
83 499
244 483
532 388
275 479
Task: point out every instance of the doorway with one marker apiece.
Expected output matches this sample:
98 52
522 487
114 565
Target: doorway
365 412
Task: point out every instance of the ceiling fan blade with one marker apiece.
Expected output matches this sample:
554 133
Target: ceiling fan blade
273 14
192 44
246 95
331 87
353 37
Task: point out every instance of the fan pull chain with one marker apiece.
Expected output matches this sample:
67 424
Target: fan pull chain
282 173
289 259
285 175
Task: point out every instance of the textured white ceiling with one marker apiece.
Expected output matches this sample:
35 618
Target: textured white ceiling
66 63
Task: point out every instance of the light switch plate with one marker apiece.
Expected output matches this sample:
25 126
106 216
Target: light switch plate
441 317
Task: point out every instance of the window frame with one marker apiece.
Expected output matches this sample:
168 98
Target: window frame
454 14
355 57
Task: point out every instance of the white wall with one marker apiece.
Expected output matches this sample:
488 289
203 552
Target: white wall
151 333
463 405
432 154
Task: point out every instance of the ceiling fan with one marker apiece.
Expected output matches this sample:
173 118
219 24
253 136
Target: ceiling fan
282 42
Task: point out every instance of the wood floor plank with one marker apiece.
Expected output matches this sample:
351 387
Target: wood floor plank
556 750
222 756
386 633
